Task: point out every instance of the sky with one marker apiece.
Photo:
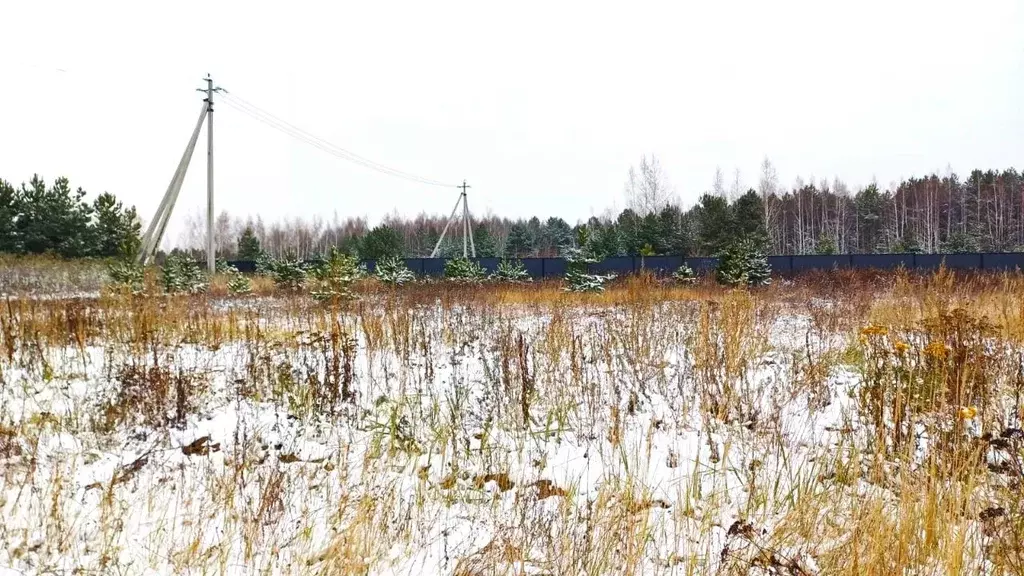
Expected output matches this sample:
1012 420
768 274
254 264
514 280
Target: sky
541 106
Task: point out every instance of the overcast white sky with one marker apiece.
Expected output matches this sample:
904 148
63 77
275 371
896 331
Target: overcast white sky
542 106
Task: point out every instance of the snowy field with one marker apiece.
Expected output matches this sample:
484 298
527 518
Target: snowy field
797 430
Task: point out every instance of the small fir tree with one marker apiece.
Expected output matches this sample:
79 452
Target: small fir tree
577 275
127 276
394 272
512 271
182 274
334 277
464 270
743 264
684 275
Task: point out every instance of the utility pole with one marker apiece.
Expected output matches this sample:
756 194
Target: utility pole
211 247
466 230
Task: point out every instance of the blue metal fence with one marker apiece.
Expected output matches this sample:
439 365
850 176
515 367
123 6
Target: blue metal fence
663 265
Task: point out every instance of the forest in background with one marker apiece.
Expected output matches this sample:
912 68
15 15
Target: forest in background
983 211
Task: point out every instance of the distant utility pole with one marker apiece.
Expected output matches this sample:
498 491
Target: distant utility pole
467 228
211 246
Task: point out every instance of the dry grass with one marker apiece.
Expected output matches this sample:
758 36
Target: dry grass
845 423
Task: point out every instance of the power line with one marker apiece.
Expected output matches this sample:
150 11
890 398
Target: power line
329 148
290 129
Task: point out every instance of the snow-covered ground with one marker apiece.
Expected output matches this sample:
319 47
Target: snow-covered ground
665 438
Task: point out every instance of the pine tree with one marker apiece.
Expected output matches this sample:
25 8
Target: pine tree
869 204
393 271
54 219
577 276
115 229
334 277
381 242
759 271
519 243
182 274
238 283
907 244
602 238
9 208
511 271
748 219
289 273
684 275
557 235
629 233
249 245
715 224
652 235
826 246
463 270
485 245
675 232
743 263
960 243
125 275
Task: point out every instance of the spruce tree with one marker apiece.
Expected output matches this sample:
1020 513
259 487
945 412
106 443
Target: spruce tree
249 245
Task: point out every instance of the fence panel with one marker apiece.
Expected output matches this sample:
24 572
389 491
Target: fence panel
618 266
702 265
660 265
1002 261
882 261
554 267
781 264
415 265
243 266
823 262
534 267
960 261
489 264
434 266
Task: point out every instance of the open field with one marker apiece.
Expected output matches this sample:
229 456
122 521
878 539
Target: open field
846 423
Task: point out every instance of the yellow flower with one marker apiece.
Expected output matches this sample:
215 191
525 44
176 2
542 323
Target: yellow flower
901 347
968 412
935 349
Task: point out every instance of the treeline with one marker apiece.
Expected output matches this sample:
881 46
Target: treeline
40 219
983 212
